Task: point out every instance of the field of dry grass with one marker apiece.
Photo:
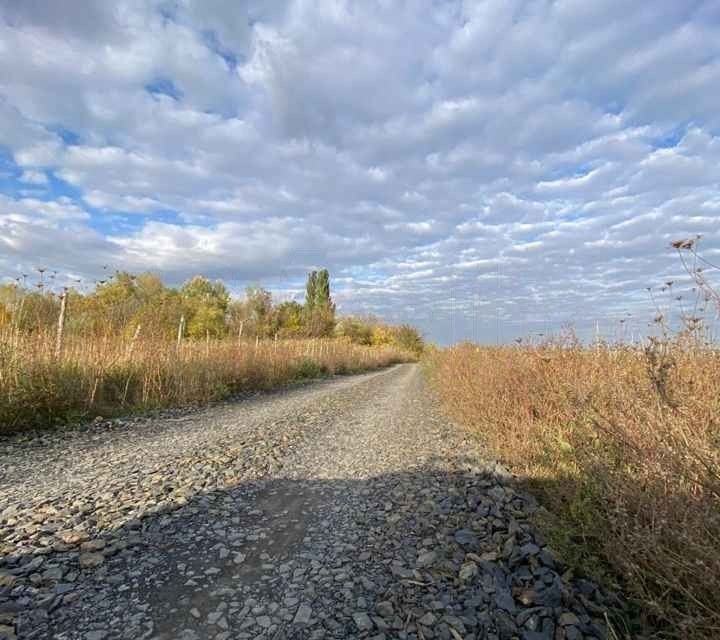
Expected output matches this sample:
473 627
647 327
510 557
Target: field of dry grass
111 375
623 446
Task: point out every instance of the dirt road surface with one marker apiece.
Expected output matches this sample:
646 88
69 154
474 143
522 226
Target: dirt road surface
347 508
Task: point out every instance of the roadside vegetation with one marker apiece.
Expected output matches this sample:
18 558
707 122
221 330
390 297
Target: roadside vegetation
133 344
622 445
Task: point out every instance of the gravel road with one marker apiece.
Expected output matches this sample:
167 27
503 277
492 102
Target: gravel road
343 509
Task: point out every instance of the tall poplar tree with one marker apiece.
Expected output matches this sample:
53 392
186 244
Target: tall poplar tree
322 290
319 307
311 291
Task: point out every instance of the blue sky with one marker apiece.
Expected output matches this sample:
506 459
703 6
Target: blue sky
464 166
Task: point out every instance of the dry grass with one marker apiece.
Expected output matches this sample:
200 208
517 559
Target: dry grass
623 445
111 375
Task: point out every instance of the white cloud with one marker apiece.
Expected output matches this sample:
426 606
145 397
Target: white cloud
34 177
537 155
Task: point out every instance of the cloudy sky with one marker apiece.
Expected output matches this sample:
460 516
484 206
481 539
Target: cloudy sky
475 168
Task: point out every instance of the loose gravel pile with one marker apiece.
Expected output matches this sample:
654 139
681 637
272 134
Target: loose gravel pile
347 509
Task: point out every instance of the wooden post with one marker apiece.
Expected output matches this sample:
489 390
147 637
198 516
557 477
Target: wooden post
181 330
240 330
133 340
61 325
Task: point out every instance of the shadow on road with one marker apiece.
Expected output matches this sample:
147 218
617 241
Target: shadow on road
443 551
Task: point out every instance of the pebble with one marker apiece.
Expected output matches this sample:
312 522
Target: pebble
362 621
303 615
346 509
91 560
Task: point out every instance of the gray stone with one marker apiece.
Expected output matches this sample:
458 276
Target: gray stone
505 601
468 571
426 559
466 538
7 632
568 618
529 549
91 560
343 510
573 633
362 621
427 620
264 621
303 615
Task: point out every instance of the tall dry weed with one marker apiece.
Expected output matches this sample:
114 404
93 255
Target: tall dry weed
623 444
107 375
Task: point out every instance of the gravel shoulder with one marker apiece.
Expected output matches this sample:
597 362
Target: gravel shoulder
345 509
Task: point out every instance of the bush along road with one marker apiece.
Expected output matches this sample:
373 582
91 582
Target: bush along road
349 508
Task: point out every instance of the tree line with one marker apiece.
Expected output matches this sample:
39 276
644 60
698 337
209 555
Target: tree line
200 308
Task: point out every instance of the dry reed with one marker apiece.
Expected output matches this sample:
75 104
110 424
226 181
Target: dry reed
623 446
110 375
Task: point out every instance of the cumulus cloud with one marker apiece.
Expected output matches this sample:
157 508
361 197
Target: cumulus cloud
34 177
463 166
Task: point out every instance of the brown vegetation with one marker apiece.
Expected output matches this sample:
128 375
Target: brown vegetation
132 343
623 446
110 375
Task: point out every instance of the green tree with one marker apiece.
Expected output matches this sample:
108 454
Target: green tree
201 290
207 303
113 303
160 315
36 310
322 290
258 311
355 330
311 291
236 317
289 319
149 287
207 320
319 308
409 338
